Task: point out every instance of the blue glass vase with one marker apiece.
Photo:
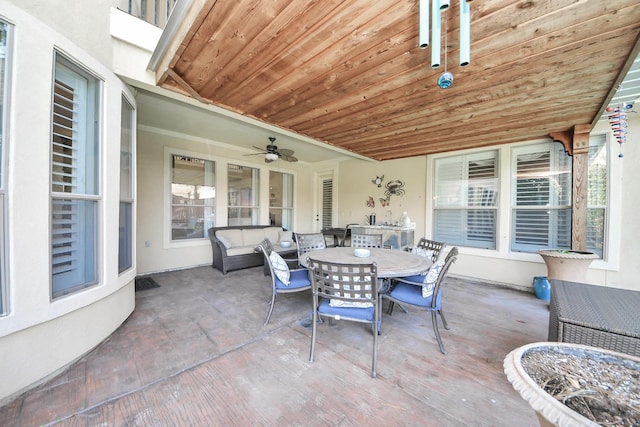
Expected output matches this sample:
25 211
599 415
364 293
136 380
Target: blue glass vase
542 287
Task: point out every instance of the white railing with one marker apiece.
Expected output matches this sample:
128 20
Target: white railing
155 12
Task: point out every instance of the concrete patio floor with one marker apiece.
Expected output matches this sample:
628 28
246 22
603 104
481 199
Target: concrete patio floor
195 353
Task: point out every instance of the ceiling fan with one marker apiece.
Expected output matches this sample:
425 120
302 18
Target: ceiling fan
272 153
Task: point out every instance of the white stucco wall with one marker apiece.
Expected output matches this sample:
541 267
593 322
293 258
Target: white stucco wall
84 22
39 336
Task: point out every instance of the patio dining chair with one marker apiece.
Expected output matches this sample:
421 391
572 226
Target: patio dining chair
366 240
345 292
308 242
284 279
429 248
426 293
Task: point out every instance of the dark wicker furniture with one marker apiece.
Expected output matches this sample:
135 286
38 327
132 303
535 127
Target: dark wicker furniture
595 315
224 261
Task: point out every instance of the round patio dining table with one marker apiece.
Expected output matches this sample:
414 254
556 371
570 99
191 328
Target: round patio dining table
390 262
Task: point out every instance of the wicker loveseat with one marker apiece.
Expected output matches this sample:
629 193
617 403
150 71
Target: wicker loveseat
234 247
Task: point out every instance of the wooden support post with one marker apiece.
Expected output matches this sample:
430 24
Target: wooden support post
576 144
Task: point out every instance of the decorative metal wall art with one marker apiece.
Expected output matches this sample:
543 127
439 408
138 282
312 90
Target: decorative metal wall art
371 203
378 181
394 188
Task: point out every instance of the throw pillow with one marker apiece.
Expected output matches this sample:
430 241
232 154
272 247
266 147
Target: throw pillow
280 268
431 278
425 253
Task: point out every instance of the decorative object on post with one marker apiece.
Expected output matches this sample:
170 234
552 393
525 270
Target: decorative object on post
563 264
618 121
576 385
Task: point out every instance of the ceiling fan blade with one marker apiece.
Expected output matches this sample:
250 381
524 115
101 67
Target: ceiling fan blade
255 154
260 149
288 158
286 152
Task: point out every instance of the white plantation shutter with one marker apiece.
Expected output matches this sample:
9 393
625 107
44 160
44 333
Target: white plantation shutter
327 203
542 198
6 48
74 171
125 220
466 200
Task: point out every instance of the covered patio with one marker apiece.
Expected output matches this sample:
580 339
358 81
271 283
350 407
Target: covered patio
194 352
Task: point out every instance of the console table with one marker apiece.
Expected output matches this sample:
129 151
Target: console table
595 315
395 237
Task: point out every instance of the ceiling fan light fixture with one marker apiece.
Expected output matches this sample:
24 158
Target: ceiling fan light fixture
271 156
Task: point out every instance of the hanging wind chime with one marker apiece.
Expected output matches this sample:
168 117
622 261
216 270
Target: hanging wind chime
618 122
439 8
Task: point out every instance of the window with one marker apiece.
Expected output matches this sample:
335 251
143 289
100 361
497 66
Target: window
541 200
465 206
5 65
193 196
597 194
125 229
75 172
243 184
281 199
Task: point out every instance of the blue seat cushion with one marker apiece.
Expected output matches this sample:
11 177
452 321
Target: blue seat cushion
412 294
297 279
348 312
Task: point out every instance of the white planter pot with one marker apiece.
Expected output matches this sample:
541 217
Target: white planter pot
550 411
571 265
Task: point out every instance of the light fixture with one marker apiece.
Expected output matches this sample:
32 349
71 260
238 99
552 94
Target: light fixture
618 120
271 156
444 4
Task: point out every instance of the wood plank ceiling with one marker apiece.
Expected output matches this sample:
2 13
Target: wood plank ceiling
350 73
